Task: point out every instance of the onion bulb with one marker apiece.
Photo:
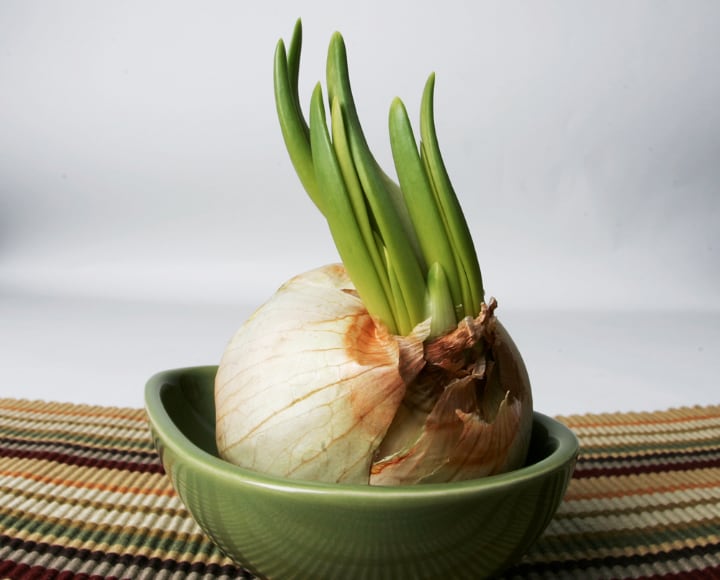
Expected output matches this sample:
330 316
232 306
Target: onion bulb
390 368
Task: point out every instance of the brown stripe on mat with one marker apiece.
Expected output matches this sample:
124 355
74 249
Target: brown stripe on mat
75 455
77 559
692 462
706 558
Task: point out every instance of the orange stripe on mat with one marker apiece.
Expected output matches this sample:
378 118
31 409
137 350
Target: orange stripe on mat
90 484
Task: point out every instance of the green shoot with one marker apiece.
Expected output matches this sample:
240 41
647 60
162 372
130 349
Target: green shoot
407 248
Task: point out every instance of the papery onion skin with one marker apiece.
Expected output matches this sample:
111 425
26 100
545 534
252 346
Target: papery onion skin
473 410
310 383
312 387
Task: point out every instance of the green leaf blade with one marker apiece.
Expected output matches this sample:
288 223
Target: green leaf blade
356 195
341 218
293 126
458 231
390 225
439 302
420 199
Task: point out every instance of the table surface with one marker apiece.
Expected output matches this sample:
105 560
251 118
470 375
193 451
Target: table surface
83 494
85 349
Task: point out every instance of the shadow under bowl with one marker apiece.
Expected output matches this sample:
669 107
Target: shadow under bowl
284 528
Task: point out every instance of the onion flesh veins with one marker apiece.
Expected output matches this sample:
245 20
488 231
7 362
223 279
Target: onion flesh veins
312 387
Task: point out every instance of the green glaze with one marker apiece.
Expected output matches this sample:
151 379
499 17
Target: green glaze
280 528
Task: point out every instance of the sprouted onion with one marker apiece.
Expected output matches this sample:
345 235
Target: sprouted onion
390 368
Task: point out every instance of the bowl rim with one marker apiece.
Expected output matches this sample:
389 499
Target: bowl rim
172 437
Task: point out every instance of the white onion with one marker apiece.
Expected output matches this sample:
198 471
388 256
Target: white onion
312 387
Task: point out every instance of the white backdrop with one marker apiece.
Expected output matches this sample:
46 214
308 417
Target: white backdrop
143 178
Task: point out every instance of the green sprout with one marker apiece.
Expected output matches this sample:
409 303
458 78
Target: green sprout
407 248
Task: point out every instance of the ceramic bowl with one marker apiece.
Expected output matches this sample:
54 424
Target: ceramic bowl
282 528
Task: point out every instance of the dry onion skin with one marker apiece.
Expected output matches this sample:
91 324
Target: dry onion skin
390 368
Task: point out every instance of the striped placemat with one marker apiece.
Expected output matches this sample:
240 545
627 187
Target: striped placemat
83 495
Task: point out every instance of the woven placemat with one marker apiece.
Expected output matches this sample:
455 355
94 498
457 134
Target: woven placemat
83 495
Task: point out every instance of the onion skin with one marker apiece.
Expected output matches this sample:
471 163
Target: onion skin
309 385
468 414
312 387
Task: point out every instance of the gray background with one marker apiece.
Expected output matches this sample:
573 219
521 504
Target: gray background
147 204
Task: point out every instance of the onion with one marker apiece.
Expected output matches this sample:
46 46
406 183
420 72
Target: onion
312 387
390 368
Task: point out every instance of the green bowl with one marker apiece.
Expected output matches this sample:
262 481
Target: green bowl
282 528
